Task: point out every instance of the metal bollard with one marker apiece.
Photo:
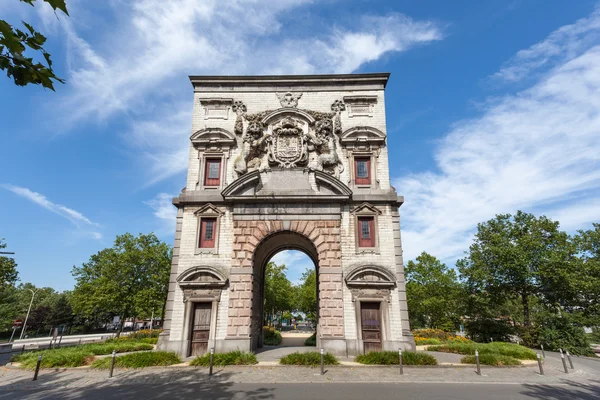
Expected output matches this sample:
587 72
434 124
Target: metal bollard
112 363
400 363
322 363
569 358
543 352
210 365
37 368
540 364
477 362
562 357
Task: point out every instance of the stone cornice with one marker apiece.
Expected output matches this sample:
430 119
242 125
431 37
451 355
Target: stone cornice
367 81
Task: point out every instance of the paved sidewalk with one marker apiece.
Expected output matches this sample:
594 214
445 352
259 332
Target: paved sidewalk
14 378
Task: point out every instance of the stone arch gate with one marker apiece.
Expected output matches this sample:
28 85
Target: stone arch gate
288 162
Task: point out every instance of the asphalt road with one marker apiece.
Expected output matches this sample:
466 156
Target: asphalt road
330 391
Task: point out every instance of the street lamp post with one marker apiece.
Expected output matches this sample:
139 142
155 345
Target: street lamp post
28 310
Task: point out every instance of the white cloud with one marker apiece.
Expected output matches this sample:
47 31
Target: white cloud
139 66
536 150
163 207
77 218
562 45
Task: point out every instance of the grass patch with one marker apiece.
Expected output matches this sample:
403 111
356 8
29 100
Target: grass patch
312 358
139 360
76 356
221 359
495 360
392 358
65 357
497 348
419 341
312 340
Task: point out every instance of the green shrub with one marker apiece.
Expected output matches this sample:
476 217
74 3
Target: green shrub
144 334
495 360
498 348
483 329
312 340
431 334
139 360
272 337
120 347
232 358
558 332
419 341
392 358
312 358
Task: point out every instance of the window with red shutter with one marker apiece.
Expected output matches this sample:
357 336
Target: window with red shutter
362 171
208 232
366 232
212 172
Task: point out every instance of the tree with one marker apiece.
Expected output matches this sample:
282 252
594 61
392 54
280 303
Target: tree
62 312
520 257
307 294
127 279
13 45
279 293
8 269
585 275
433 293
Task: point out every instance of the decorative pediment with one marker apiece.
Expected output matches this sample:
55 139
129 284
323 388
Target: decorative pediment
288 184
370 275
201 277
363 136
208 209
366 208
213 137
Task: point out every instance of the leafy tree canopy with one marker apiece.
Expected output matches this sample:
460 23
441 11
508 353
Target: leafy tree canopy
518 256
433 293
129 279
15 42
8 268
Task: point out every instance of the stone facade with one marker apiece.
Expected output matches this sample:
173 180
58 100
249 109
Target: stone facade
287 162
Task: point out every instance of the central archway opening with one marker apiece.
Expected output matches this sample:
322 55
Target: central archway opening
285 302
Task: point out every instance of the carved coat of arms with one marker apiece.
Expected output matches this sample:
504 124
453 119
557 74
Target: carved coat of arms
288 147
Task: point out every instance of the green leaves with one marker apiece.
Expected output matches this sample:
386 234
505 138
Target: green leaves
8 268
433 293
129 279
14 43
518 256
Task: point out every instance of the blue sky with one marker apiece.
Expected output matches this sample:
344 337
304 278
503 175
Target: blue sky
492 106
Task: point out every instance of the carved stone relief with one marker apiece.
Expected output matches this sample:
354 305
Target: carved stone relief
304 138
214 294
289 99
239 108
369 293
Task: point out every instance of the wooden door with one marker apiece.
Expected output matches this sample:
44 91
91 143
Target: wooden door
370 317
200 328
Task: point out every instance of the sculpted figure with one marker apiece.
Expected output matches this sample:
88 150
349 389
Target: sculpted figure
325 144
252 157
